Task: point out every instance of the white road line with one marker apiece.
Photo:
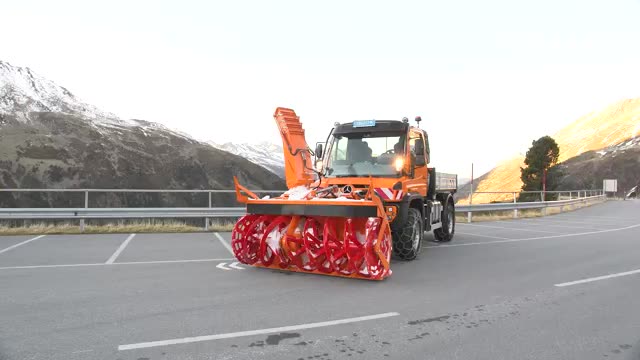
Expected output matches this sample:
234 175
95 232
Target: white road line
507 228
82 351
22 243
120 249
597 217
536 238
118 263
598 278
48 266
225 243
234 265
555 224
586 221
222 266
484 236
253 332
169 261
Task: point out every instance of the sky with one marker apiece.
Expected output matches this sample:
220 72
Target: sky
486 77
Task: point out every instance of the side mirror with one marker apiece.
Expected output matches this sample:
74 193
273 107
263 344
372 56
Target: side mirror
318 151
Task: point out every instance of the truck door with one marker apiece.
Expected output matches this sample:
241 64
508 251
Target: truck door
418 183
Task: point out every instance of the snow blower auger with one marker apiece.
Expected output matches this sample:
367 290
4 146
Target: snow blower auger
371 194
306 230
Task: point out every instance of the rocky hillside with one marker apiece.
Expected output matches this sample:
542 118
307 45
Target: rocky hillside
51 139
610 127
586 171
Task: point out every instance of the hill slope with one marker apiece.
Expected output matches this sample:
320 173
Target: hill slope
598 130
265 154
51 139
587 170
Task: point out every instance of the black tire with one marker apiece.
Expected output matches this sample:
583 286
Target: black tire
407 240
445 233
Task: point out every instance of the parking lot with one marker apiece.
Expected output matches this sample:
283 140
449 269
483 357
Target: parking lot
563 286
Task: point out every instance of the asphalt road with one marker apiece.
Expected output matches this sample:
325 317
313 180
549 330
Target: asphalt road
491 294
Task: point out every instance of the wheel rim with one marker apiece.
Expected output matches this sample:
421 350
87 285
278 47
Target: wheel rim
416 236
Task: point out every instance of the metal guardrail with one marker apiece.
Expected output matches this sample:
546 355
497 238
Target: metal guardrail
118 213
229 212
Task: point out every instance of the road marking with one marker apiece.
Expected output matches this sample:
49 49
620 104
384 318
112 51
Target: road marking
598 278
221 266
22 243
82 351
120 249
225 243
485 236
555 224
596 217
508 228
585 221
254 332
233 265
169 261
118 263
536 238
48 266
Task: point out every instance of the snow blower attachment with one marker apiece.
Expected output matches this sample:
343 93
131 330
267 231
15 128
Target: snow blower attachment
312 229
370 193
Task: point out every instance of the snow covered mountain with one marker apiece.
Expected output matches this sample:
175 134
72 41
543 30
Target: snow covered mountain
265 154
23 91
51 139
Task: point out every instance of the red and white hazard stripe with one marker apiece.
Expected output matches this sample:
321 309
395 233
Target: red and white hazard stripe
389 194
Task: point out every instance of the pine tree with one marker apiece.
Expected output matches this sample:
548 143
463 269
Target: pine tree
541 156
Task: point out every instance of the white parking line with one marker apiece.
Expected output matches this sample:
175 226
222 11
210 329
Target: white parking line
114 264
120 249
598 278
507 228
22 243
536 238
484 236
253 332
225 243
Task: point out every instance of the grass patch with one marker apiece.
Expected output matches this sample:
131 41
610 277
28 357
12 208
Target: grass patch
144 226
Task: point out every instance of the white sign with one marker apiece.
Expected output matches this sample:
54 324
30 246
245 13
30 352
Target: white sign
610 185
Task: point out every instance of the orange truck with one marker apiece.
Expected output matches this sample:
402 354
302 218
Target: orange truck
365 194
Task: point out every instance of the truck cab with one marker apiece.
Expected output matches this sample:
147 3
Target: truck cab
395 157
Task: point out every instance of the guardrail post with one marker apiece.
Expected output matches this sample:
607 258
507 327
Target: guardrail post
86 206
206 220
470 202
515 211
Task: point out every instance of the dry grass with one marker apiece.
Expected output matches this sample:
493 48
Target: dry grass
112 228
522 214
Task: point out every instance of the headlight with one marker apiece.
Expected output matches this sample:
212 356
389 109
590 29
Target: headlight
399 163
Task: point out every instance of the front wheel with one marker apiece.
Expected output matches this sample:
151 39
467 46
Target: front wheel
408 239
445 233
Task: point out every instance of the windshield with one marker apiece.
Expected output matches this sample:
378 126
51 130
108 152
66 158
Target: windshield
364 155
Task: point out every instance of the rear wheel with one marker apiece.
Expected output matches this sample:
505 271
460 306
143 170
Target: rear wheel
445 233
407 240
